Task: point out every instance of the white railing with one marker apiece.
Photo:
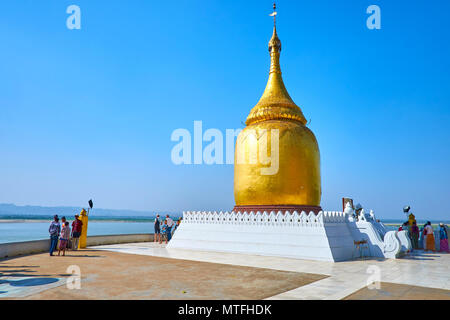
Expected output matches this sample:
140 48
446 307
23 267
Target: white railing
265 218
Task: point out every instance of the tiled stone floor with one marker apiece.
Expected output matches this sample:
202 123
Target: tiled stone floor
419 276
395 291
431 270
109 275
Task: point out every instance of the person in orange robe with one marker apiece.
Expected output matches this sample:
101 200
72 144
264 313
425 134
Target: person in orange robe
429 244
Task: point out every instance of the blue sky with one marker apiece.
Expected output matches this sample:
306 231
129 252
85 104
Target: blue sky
89 113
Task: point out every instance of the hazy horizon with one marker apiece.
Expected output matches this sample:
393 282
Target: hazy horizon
12 209
118 213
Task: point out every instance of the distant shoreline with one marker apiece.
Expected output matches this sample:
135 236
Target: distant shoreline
91 220
40 219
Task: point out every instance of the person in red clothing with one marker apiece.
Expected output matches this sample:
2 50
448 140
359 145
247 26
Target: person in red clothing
77 225
404 226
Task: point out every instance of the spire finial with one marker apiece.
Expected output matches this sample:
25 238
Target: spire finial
274 15
275 42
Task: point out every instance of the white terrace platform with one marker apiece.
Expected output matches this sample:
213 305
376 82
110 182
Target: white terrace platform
430 270
326 236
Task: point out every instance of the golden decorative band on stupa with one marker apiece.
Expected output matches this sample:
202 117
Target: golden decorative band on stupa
297 183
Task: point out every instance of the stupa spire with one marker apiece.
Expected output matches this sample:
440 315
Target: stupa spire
275 45
275 103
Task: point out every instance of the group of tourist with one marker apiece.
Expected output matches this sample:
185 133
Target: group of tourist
423 238
163 228
64 234
68 238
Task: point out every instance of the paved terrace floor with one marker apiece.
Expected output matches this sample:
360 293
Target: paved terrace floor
150 271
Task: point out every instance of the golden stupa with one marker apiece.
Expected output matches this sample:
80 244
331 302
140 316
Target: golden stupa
297 183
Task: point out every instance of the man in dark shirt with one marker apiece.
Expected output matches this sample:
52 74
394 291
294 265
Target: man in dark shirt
77 226
157 236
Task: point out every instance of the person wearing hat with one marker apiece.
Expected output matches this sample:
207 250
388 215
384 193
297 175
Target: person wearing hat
77 225
443 235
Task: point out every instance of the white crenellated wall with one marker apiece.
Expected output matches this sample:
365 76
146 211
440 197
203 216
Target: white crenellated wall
265 218
324 236
328 236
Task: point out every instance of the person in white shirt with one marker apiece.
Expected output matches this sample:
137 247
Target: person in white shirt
170 224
